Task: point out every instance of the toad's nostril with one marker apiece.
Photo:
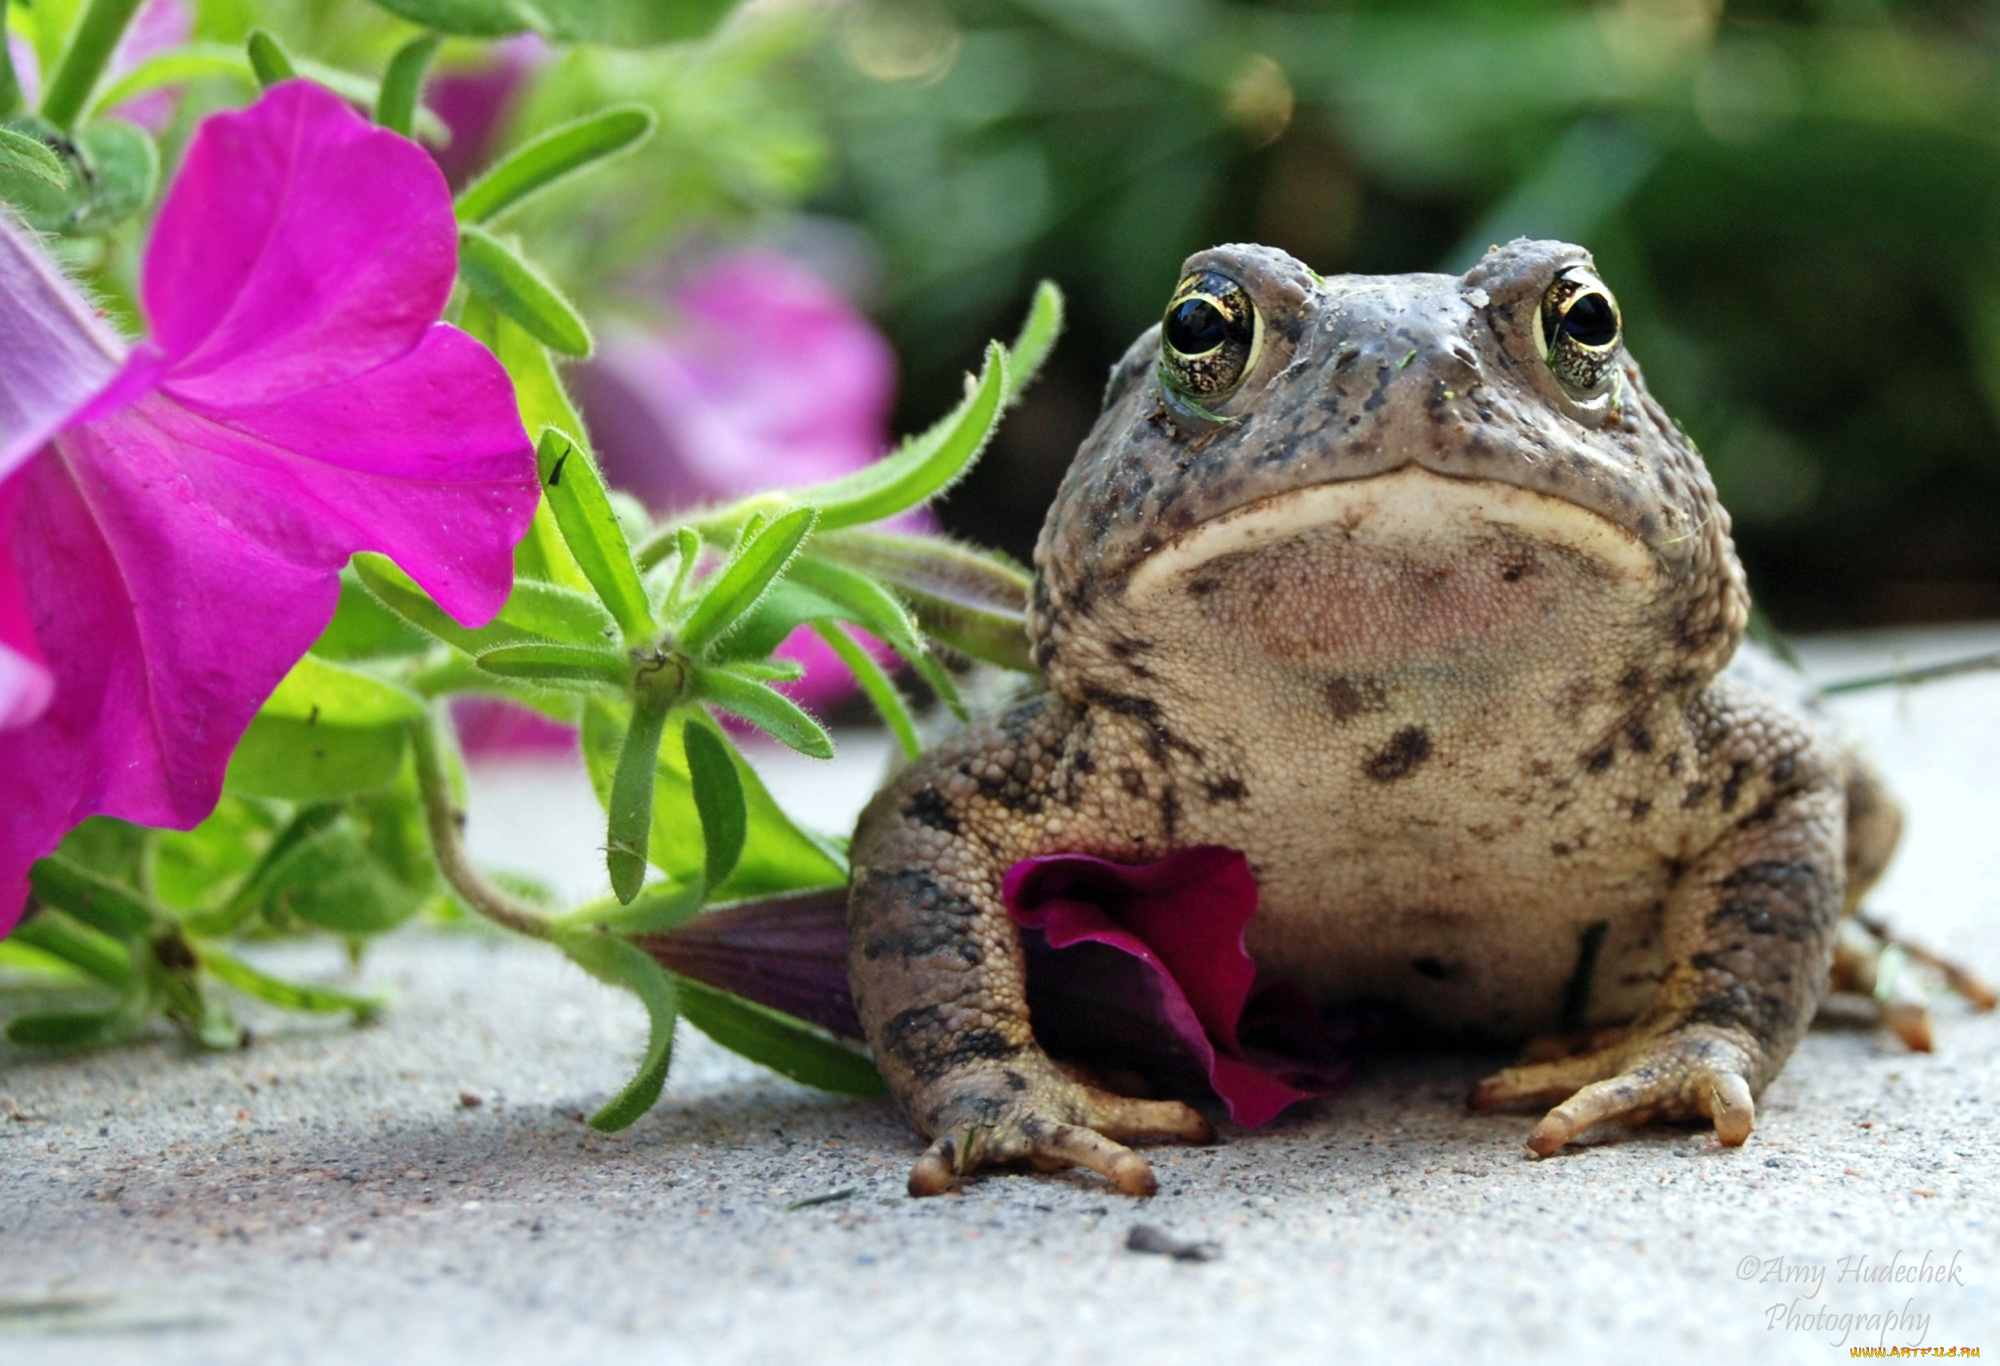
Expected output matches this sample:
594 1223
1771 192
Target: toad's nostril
1465 356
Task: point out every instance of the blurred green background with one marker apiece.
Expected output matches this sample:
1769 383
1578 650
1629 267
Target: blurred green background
1798 205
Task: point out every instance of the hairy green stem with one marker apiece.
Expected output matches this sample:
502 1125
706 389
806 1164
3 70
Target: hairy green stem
82 62
1927 674
447 827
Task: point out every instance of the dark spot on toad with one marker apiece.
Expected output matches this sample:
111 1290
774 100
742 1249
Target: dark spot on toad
1347 698
1406 751
928 807
1732 786
1431 967
1225 790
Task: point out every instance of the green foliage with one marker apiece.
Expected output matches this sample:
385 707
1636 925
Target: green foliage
574 492
553 157
788 1046
402 83
109 170
500 275
268 59
618 23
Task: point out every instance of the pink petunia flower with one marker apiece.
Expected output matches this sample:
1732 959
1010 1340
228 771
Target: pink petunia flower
1135 968
173 520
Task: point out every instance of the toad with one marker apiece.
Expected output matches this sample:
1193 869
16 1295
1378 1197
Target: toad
1408 589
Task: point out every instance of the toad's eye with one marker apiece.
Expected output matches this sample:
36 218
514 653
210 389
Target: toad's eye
1210 336
1579 332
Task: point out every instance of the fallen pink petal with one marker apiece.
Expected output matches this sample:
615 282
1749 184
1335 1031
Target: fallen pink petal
1143 967
1136 968
175 545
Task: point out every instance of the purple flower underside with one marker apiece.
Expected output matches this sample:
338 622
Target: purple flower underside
1133 968
175 547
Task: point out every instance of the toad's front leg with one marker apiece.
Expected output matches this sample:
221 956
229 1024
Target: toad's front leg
937 968
1750 934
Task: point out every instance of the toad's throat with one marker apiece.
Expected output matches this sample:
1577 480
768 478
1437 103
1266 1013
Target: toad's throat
1403 567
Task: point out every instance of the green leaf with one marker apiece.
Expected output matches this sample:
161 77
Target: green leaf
403 82
203 868
610 959
876 683
718 796
363 627
328 731
975 601
534 611
1037 338
614 23
868 605
545 160
319 690
763 707
925 466
631 806
77 1031
98 902
268 59
556 613
762 554
176 66
558 664
783 1043
777 856
494 271
575 492
305 761
27 157
291 995
352 875
91 42
659 906
107 959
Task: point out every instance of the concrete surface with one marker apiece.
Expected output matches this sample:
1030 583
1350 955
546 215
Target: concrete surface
424 1191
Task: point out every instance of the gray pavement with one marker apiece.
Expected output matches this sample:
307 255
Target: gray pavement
424 1190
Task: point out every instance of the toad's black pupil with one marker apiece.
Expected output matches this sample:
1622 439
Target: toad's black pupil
1590 321
1196 326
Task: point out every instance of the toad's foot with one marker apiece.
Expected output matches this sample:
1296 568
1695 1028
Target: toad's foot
1049 1122
1682 1073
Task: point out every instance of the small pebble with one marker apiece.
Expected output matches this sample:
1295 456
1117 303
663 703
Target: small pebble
1148 1238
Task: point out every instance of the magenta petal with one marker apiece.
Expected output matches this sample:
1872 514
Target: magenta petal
299 245
1180 921
423 459
177 546
25 684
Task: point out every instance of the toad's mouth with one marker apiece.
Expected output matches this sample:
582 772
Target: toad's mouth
1405 567
1406 512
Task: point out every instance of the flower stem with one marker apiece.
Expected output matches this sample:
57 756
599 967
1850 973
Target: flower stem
90 46
447 827
1928 673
